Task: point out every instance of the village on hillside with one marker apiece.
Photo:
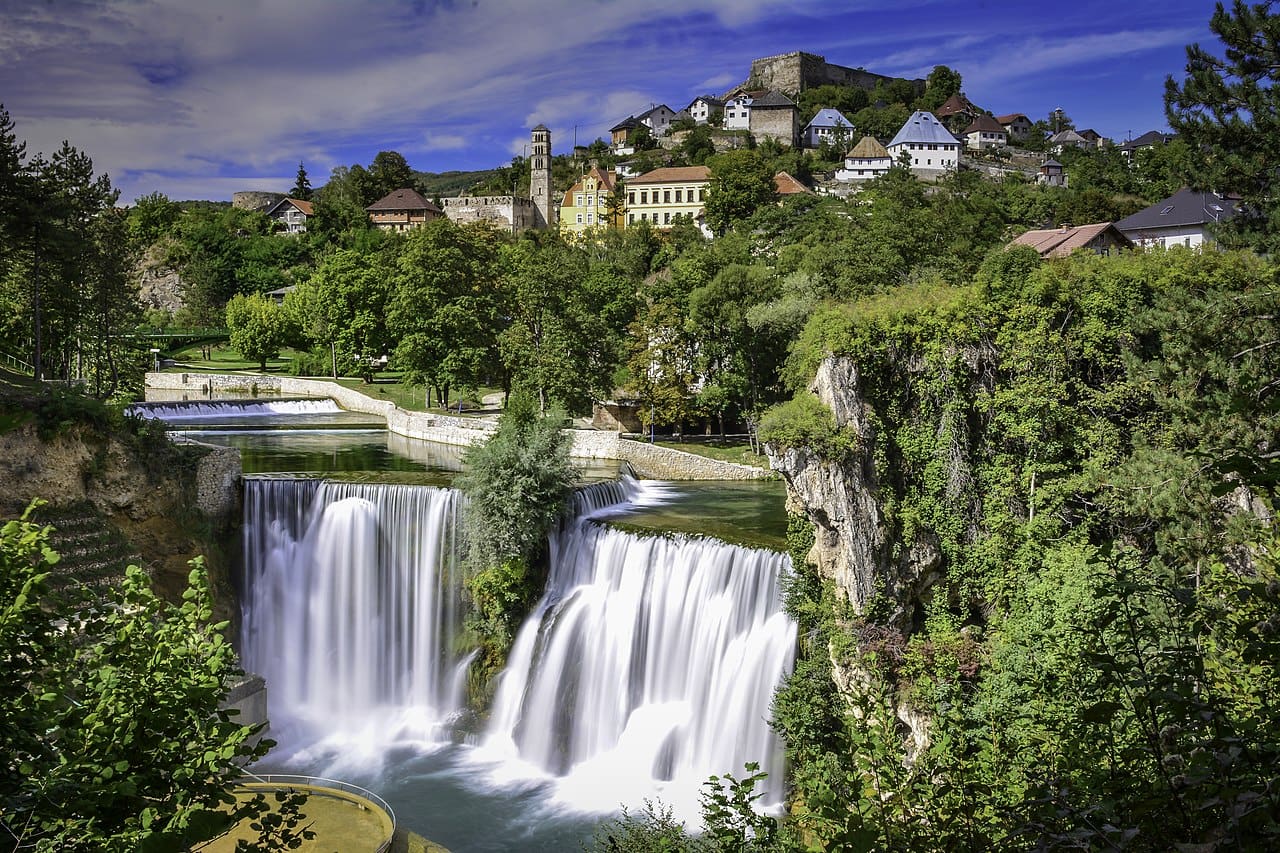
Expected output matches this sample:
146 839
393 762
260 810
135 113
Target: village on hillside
828 113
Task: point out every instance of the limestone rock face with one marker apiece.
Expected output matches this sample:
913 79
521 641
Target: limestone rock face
853 547
168 513
159 286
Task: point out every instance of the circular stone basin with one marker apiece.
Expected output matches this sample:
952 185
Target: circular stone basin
340 818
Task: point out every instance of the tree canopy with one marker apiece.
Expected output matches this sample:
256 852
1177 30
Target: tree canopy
1227 110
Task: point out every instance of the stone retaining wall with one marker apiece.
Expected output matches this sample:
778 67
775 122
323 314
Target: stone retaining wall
648 460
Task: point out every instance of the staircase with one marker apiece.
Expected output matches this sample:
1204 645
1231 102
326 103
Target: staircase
93 553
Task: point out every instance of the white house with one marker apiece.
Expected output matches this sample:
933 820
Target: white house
985 132
826 126
931 148
737 111
658 119
702 108
292 213
868 159
1182 219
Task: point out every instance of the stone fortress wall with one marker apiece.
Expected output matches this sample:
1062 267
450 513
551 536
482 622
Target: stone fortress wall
794 72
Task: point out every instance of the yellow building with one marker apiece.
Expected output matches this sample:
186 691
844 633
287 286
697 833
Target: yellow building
586 204
658 197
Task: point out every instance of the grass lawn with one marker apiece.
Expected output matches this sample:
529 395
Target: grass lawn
223 359
725 450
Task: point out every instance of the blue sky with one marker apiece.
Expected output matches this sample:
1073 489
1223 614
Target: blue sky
199 98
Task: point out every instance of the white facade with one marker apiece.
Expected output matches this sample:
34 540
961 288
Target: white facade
737 113
702 109
658 119
858 169
930 146
826 126
987 139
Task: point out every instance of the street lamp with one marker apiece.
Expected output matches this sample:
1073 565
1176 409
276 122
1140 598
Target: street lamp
155 357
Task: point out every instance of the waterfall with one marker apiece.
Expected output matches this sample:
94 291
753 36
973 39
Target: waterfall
205 409
648 665
352 607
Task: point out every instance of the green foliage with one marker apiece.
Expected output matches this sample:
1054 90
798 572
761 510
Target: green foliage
259 327
741 182
805 422
444 307
1228 112
109 725
1092 658
517 484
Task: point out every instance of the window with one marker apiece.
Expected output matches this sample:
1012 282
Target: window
577 200
631 217
591 201
700 194
631 198
666 196
644 198
666 218
678 199
590 217
579 218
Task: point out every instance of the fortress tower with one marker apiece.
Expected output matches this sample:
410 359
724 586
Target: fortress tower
540 179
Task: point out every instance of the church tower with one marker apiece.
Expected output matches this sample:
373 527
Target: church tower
540 179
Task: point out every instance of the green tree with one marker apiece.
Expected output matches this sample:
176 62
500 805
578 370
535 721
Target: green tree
301 184
741 182
111 735
343 308
942 83
1228 112
444 309
556 346
151 217
517 485
389 172
259 327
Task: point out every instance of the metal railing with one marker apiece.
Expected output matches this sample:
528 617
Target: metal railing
17 364
285 779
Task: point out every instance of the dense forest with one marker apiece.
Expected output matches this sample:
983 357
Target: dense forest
1061 627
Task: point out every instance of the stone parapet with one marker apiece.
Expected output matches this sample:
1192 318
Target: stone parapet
664 463
647 460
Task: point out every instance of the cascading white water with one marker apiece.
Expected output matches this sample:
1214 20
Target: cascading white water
648 665
352 607
205 409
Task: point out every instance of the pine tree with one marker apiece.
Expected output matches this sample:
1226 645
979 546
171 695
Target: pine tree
1228 111
301 185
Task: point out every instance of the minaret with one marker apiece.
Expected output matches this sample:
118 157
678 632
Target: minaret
540 177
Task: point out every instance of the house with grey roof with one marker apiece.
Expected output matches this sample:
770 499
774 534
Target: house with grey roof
827 126
402 210
1185 219
775 116
704 107
1150 139
931 149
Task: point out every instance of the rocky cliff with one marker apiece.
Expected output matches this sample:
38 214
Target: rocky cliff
855 545
168 503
